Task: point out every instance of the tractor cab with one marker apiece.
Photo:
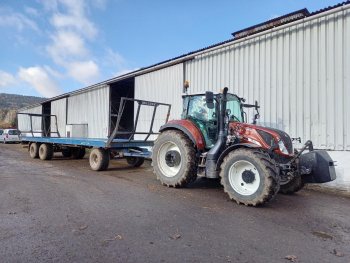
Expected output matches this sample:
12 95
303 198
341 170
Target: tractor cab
205 113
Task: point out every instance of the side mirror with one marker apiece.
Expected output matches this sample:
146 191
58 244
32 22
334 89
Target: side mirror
209 99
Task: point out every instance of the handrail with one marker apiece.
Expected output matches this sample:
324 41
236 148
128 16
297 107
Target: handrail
42 131
140 103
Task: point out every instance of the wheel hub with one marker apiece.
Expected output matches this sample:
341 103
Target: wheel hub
248 176
172 158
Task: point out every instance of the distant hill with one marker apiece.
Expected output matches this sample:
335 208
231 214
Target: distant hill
10 103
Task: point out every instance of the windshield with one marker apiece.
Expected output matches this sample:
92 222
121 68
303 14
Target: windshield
234 107
13 132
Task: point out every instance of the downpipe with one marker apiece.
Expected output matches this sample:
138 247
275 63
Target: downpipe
215 151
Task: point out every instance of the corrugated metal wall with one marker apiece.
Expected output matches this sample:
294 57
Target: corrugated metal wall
164 85
24 120
91 108
58 108
299 74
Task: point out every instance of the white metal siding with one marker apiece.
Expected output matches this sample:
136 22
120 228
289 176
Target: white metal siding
299 75
91 108
24 120
164 85
58 108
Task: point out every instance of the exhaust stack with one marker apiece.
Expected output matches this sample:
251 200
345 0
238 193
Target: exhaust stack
214 152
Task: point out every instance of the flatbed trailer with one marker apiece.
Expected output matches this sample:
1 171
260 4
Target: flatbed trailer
102 150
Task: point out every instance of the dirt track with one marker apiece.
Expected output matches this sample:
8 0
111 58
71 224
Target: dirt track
62 211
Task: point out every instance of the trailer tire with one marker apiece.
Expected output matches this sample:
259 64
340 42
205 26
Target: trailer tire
34 150
67 153
292 186
78 153
135 161
174 159
99 159
249 177
45 151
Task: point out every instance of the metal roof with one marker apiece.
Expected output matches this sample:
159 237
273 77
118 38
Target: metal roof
175 60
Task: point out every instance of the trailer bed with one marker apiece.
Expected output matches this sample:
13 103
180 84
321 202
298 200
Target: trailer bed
89 142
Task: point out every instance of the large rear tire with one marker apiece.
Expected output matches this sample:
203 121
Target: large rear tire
174 159
45 151
34 150
99 159
292 186
249 177
135 161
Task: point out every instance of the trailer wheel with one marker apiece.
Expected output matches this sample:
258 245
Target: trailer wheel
67 152
174 159
34 150
135 161
292 186
45 151
99 159
78 153
249 177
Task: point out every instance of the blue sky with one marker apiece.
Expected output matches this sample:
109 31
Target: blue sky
49 47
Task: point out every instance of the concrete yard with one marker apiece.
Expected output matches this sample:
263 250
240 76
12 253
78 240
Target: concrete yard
61 211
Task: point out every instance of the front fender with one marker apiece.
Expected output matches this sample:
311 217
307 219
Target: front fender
188 128
231 148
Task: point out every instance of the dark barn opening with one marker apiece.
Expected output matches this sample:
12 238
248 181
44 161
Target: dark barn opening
46 121
123 88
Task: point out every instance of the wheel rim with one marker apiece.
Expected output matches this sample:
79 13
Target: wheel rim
244 178
168 167
41 150
94 159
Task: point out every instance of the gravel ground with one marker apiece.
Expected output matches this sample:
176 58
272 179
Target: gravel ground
61 211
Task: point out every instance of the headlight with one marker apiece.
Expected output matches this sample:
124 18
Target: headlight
282 147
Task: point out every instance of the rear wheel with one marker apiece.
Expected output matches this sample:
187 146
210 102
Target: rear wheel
67 152
45 151
174 159
99 159
78 153
292 186
249 177
34 150
135 161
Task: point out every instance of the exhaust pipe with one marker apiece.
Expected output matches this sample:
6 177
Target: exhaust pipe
216 150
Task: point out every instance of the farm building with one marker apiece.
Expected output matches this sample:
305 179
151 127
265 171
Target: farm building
296 66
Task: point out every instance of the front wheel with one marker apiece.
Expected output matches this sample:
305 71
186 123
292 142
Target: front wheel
99 159
249 177
292 186
174 159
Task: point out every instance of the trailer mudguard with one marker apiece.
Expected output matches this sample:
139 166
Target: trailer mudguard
188 128
317 167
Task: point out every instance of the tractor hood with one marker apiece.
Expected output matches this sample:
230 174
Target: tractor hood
263 136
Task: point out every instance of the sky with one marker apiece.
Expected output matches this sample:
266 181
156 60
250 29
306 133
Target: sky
50 47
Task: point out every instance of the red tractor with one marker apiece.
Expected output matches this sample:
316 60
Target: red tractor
254 163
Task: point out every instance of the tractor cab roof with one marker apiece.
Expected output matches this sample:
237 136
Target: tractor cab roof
202 93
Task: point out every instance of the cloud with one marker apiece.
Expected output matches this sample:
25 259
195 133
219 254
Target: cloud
8 18
66 45
74 18
39 79
31 11
85 72
6 79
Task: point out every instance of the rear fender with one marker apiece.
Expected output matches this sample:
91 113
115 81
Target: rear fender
232 148
188 128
